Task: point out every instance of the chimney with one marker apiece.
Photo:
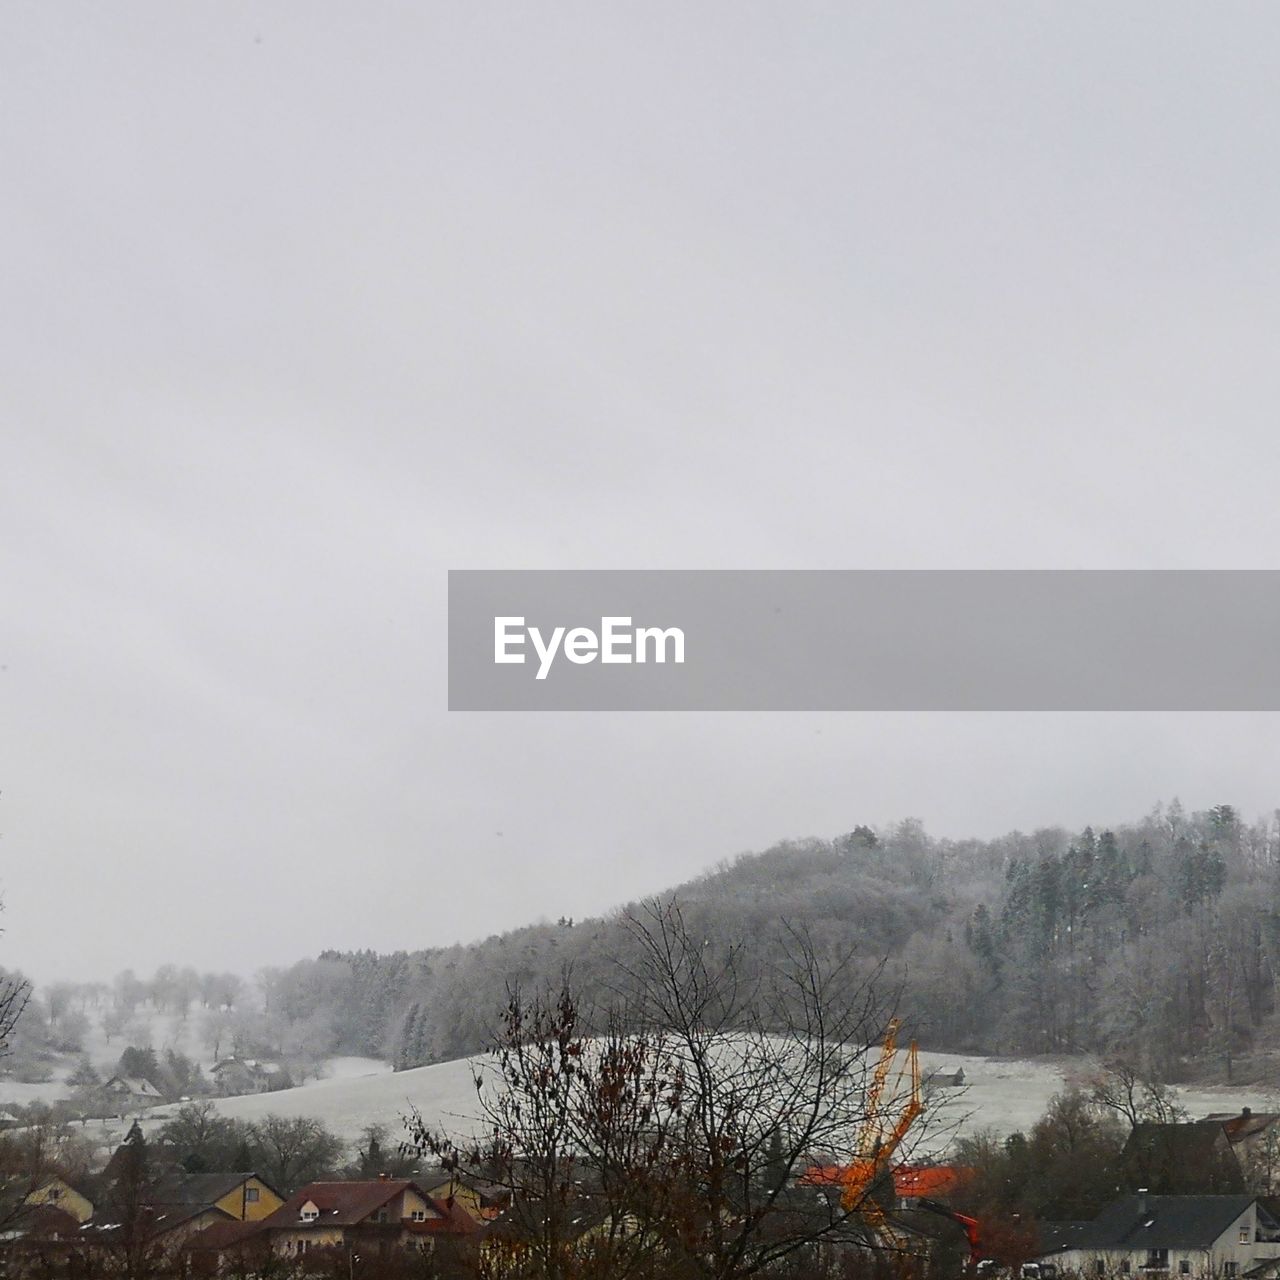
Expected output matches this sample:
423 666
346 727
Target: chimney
1246 1112
1142 1201
384 1177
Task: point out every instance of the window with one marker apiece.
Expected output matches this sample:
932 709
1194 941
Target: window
1230 1269
250 1195
1184 1267
419 1215
310 1215
1125 1267
1157 1260
1244 1235
1099 1266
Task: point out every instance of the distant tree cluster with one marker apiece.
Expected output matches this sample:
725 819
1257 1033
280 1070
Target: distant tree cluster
1158 941
288 1151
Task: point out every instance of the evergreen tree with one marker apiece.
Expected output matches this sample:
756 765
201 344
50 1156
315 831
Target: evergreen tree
85 1076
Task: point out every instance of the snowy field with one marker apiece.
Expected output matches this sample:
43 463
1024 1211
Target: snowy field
1000 1094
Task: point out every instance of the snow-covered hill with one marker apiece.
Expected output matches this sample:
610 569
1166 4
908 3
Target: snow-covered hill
1001 1094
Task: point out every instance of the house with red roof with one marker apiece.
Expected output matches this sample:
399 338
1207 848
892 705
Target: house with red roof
381 1215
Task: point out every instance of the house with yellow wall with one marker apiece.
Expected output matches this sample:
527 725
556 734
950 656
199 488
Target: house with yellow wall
483 1202
243 1196
383 1214
57 1193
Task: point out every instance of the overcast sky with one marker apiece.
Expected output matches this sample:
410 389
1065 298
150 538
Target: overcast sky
304 304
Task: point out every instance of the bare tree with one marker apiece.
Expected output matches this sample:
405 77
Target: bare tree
15 993
1137 1099
293 1150
676 1122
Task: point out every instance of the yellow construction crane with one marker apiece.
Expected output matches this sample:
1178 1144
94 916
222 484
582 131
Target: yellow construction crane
881 1134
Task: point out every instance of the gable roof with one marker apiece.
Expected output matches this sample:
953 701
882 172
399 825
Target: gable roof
454 1220
201 1188
1194 1158
224 1235
254 1066
44 1222
1152 1222
154 1220
1056 1236
342 1203
1238 1125
28 1186
166 1217
1191 1139
136 1084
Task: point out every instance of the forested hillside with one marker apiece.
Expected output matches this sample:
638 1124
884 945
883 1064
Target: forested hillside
1159 939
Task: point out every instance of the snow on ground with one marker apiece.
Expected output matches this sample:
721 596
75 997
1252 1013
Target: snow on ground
346 1103
351 1068
1001 1094
13 1091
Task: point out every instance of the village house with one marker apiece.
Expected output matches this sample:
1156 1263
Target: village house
243 1196
483 1201
1182 1159
234 1077
1255 1138
380 1215
156 1227
57 1193
132 1091
147 1237
1227 1153
164 1226
38 1230
1168 1236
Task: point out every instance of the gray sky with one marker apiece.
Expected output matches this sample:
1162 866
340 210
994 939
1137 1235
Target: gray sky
305 304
